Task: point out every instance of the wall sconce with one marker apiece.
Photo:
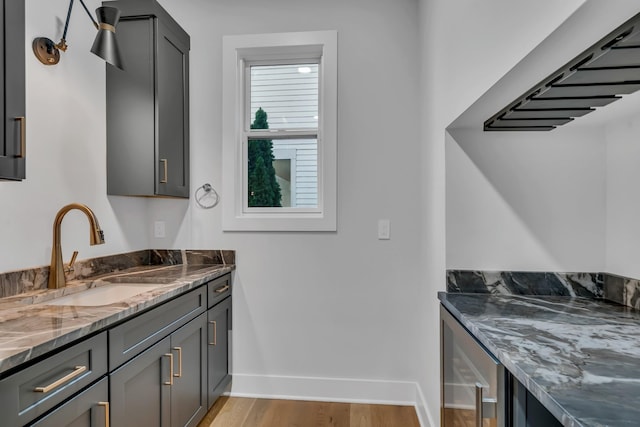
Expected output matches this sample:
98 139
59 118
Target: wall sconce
105 44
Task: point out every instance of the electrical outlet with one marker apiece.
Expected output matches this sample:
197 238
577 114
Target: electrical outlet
159 229
384 231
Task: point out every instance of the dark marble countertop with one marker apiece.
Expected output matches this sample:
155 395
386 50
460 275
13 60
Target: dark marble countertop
29 327
579 357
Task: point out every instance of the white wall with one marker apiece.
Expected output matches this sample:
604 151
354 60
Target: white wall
65 152
351 315
562 200
327 315
623 197
338 309
529 201
466 47
329 305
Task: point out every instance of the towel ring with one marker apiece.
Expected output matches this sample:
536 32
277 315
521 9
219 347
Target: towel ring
206 197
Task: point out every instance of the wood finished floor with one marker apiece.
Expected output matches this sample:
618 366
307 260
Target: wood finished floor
247 412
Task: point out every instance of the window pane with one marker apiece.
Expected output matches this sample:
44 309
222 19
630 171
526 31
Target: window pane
288 94
282 173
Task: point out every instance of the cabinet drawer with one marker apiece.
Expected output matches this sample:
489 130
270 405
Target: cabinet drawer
218 289
89 408
31 392
134 336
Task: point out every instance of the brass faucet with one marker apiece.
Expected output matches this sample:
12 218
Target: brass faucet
96 237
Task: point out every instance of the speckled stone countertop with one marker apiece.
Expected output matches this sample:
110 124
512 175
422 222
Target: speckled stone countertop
579 357
29 327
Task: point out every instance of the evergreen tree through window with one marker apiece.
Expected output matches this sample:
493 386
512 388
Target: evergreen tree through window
264 190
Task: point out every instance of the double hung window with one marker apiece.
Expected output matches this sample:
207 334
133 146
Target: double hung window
279 135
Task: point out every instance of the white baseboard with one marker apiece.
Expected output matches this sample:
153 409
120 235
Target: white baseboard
425 418
333 390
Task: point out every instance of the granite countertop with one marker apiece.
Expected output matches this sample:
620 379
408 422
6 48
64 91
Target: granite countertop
29 327
579 357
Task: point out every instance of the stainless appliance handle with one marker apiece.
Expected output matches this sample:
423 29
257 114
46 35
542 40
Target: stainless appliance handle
485 408
478 405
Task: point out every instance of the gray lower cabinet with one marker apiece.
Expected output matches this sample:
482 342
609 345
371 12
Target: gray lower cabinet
164 367
219 322
148 104
189 390
89 408
12 90
528 411
140 390
132 337
33 391
167 380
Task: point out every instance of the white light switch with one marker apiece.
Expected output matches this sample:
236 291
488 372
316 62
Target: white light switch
158 229
384 232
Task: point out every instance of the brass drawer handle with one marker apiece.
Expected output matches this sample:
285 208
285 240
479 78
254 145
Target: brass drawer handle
179 350
170 382
23 137
222 289
215 332
76 371
106 412
166 178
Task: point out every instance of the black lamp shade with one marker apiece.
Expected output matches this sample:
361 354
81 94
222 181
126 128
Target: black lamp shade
105 44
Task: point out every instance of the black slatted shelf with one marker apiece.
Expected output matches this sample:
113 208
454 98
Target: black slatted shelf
531 124
588 91
546 114
594 78
616 58
571 103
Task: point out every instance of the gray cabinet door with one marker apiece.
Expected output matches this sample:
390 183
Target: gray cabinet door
173 113
131 165
12 89
140 390
527 410
189 390
87 409
148 105
219 325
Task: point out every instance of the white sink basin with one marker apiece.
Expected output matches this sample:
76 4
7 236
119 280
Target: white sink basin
103 295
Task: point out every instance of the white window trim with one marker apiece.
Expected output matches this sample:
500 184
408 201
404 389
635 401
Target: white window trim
255 47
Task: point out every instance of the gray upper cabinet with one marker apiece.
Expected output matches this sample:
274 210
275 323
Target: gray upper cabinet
148 104
12 89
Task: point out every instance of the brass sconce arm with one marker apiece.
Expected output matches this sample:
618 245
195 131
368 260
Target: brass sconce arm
105 45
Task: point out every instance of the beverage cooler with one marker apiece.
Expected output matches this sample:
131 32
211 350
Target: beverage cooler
472 380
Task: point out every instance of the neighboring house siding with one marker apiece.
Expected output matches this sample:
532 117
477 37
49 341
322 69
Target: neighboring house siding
305 182
289 97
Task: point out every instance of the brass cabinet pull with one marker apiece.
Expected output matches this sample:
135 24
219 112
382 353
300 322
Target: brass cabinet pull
215 332
222 289
23 137
166 178
170 356
106 412
76 371
179 350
